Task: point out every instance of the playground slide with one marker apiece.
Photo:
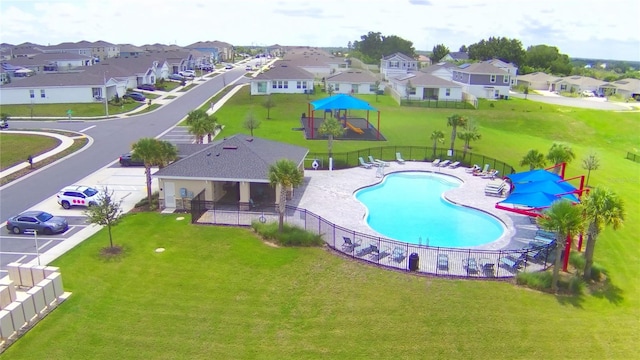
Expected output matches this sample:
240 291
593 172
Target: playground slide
355 129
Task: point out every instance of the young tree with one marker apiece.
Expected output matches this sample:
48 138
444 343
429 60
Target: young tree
439 51
560 153
534 159
590 162
564 219
601 208
330 90
469 133
251 123
438 137
285 174
268 104
377 86
153 152
331 127
454 121
409 90
106 212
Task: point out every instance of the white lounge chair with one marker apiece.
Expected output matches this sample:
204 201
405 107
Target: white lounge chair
473 169
364 164
444 163
454 164
399 158
377 162
435 162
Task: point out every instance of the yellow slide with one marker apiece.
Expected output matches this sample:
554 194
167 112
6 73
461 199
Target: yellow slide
355 129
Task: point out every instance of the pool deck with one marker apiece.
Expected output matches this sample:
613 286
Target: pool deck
330 194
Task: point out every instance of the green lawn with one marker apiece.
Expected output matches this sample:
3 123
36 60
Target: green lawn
60 110
218 292
15 148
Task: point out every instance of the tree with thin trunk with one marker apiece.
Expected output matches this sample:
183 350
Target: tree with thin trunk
601 208
565 219
167 153
251 123
377 86
199 129
455 121
526 92
330 90
331 127
285 174
211 125
438 137
268 104
534 159
558 154
106 212
153 152
590 162
468 134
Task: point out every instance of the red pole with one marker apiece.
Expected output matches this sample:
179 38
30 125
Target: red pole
563 167
567 249
378 135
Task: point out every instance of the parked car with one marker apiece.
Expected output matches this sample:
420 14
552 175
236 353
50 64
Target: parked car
128 160
176 77
40 221
228 66
206 67
588 93
187 73
135 96
148 87
78 195
248 68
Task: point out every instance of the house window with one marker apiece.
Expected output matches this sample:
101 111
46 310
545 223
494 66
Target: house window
32 94
354 88
97 92
506 79
42 94
412 90
373 88
262 87
394 64
285 84
274 84
447 92
298 84
492 79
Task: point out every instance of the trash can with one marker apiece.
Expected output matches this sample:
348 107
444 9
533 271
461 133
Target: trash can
413 262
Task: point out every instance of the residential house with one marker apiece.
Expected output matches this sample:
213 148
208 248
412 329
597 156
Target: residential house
443 70
576 84
316 61
456 57
537 81
397 64
282 79
352 82
99 50
128 50
510 68
483 80
423 86
424 61
233 170
51 62
627 88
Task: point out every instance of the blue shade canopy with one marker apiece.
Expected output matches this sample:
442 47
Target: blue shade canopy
341 101
536 199
533 175
548 186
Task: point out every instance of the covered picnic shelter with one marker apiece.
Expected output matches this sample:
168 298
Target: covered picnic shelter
337 104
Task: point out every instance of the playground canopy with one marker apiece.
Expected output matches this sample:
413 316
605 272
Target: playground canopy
341 101
534 175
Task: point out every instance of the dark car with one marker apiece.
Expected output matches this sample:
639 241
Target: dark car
40 221
148 87
129 160
135 96
176 77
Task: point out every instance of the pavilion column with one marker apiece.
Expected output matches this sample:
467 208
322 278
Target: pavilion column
245 195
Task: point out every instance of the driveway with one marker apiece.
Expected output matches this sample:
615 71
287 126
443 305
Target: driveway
585 103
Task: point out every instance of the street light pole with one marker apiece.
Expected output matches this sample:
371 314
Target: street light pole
35 237
106 98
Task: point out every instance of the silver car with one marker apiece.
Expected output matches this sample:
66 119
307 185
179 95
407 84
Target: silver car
40 221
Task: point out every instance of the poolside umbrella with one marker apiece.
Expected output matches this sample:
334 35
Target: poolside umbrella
548 186
534 175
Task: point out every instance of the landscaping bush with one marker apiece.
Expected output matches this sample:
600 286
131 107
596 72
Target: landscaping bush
576 284
577 260
596 272
290 235
535 280
144 203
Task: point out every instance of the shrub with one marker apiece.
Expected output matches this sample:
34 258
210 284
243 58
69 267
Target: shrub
535 280
577 260
596 272
145 202
290 235
576 284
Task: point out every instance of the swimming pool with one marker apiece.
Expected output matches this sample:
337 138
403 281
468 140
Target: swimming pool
409 207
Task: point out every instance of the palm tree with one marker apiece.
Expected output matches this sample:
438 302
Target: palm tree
284 173
590 162
558 154
601 208
331 127
564 219
438 137
199 128
454 121
167 153
148 150
470 133
534 159
210 124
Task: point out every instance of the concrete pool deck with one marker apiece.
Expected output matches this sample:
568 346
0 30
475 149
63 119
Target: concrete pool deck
330 194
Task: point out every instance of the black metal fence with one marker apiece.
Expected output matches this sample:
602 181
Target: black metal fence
435 103
633 157
441 261
409 153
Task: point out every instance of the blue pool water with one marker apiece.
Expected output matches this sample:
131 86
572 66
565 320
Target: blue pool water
409 207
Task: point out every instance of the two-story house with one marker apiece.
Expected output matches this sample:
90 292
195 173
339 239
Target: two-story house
483 80
397 64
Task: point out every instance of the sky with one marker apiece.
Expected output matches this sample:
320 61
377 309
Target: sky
579 28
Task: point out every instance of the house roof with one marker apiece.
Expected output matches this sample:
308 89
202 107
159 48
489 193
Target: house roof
441 65
426 80
629 84
283 70
130 48
580 81
459 55
57 79
236 158
209 44
398 55
481 68
354 77
537 76
46 58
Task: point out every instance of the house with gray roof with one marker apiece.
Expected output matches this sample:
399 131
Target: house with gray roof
537 80
422 86
483 80
443 70
233 170
397 64
628 88
353 81
576 84
51 62
282 78
316 61
456 56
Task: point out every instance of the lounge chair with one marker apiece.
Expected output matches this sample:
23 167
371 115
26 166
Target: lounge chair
364 164
487 267
454 164
473 169
444 163
399 158
495 189
398 254
547 234
379 255
512 263
377 162
367 250
491 174
470 265
435 162
443 262
484 171
348 246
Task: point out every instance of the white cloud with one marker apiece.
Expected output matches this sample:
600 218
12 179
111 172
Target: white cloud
579 28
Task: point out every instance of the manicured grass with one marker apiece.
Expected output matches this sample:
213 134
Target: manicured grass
15 148
219 292
60 110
